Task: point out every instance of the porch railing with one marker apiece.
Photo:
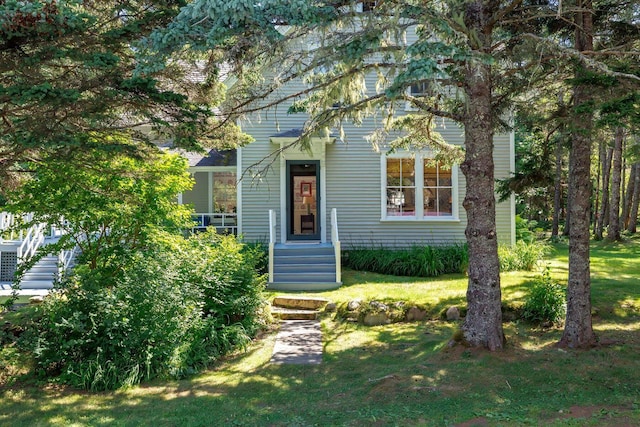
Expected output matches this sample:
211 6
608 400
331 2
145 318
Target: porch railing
31 242
272 241
226 223
335 240
66 259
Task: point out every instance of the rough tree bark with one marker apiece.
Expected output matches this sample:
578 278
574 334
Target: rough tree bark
628 199
613 232
633 215
578 329
606 155
557 190
483 323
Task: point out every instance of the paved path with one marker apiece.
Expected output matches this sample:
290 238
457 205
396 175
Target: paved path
299 342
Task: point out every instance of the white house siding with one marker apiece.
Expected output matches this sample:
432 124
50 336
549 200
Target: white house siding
353 185
260 193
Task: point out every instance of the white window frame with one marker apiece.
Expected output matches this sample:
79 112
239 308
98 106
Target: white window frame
419 158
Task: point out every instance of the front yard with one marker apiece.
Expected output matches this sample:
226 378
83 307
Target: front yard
399 374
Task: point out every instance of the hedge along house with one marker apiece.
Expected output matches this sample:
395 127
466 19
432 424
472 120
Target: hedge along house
340 193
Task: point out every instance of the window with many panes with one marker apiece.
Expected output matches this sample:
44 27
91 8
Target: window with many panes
419 187
437 190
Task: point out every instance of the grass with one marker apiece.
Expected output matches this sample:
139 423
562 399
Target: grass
402 374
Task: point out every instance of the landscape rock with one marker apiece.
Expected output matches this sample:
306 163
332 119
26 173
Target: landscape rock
331 307
453 313
36 299
415 314
375 319
354 305
379 306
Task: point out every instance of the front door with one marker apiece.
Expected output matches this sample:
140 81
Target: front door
303 190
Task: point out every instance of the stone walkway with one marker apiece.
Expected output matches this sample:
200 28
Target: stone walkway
299 342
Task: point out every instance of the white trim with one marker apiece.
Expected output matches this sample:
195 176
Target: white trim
318 153
419 157
210 191
194 169
283 197
512 199
239 189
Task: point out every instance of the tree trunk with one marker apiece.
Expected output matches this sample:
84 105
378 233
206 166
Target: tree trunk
633 215
567 218
604 202
613 233
557 190
628 199
483 323
578 330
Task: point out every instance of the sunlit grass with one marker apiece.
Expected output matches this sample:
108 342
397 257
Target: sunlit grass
400 374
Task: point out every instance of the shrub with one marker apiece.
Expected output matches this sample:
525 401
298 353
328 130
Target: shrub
521 256
546 302
524 229
417 261
170 311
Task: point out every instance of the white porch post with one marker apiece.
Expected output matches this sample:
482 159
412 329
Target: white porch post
210 191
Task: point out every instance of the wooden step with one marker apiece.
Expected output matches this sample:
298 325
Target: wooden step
292 314
299 302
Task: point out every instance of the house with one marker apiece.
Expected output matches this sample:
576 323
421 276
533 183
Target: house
308 204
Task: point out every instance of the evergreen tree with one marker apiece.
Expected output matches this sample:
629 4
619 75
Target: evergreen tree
67 83
472 59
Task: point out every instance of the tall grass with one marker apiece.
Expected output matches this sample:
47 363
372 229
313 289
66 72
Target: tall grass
417 261
523 256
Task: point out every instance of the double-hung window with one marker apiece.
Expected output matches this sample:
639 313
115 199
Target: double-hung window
416 187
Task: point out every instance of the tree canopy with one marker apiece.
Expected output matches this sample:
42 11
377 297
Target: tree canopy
473 61
67 84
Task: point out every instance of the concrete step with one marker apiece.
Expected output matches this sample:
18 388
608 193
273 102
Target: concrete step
36 284
304 249
40 268
38 276
304 286
303 259
299 302
291 268
304 277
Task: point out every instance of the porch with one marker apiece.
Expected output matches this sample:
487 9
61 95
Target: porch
18 247
224 223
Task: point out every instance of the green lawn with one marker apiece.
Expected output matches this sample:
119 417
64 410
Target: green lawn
402 374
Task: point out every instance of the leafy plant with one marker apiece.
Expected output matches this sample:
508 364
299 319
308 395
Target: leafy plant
171 310
546 302
417 261
522 255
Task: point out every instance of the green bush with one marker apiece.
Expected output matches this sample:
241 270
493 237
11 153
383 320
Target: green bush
524 230
417 261
170 311
546 301
521 256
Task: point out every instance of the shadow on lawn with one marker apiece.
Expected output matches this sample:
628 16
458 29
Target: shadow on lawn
400 374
